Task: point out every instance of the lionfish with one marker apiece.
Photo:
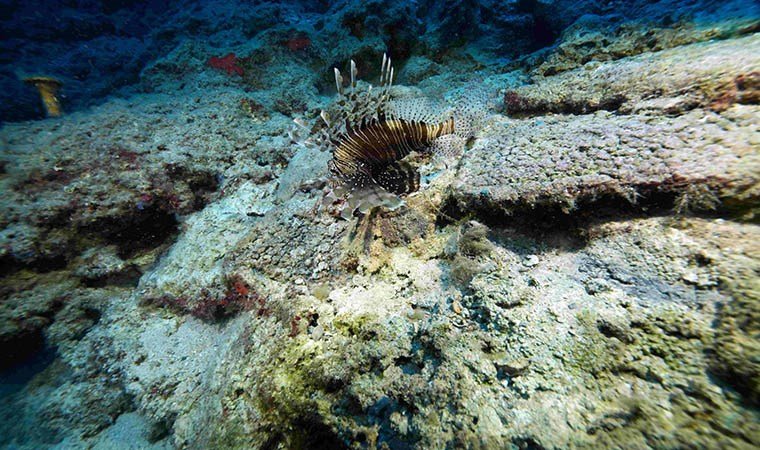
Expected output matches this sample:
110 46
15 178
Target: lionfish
371 135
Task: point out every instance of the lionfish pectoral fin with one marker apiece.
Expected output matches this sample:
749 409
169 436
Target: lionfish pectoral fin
347 213
398 177
364 199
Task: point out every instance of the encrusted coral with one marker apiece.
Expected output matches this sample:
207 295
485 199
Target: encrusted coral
564 161
229 64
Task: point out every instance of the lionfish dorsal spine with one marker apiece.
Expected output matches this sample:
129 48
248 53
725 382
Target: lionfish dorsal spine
338 81
382 68
354 72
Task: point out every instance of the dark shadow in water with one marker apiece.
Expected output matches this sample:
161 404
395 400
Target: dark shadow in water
14 378
548 223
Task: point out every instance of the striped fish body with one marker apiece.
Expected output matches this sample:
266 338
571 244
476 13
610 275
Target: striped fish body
371 151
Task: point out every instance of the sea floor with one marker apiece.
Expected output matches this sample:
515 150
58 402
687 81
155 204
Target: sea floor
585 274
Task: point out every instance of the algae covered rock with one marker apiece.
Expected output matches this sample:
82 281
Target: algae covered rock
584 276
672 81
607 37
567 161
374 361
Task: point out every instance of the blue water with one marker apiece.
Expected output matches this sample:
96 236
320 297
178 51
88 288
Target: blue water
14 378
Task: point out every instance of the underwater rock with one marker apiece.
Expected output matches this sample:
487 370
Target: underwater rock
129 428
382 356
103 266
417 69
191 277
731 261
290 243
76 394
304 169
227 64
29 304
610 37
25 245
568 162
80 310
542 281
670 81
121 181
167 71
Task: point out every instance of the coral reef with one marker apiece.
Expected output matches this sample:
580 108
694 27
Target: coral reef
172 276
663 81
704 159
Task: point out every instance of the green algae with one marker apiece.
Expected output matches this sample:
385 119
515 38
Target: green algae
736 349
353 326
294 390
592 352
667 335
667 349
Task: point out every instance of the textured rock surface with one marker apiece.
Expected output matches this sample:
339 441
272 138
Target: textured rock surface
303 247
566 161
671 81
196 259
607 38
620 361
592 273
